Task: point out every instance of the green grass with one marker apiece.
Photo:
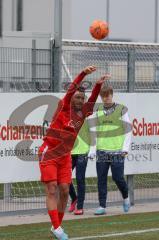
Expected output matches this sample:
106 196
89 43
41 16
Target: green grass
90 227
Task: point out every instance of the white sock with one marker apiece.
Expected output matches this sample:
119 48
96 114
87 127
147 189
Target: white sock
58 231
126 200
101 208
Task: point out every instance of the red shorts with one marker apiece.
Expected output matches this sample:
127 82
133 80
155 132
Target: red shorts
59 170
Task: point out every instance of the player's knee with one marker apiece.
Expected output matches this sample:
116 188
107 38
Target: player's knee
64 190
51 189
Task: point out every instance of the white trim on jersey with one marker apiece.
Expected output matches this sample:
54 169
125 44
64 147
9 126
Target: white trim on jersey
43 153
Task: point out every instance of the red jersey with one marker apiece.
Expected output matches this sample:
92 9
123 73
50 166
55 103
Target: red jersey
66 122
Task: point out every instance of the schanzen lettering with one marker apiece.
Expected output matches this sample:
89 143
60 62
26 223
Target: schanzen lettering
144 128
25 132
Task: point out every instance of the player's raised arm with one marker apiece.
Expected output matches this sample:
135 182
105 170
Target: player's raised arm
97 87
75 84
89 105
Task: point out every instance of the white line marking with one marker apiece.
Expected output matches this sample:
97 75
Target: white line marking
117 234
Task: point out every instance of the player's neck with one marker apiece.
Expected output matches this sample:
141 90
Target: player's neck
109 105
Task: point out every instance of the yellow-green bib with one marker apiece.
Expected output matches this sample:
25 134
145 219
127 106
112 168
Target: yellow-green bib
110 131
82 143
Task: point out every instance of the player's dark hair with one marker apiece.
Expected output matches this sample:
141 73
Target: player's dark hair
80 89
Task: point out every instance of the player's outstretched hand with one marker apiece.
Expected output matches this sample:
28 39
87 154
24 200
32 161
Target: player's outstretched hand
89 69
104 78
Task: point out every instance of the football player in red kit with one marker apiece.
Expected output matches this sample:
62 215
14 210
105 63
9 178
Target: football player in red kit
55 152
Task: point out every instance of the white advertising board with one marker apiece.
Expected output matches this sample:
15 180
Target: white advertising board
24 117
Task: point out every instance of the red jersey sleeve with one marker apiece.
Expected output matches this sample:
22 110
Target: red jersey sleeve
89 105
72 89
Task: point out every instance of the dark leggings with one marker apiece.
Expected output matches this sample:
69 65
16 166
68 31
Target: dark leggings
80 163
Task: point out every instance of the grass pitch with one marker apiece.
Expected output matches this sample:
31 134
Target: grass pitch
143 226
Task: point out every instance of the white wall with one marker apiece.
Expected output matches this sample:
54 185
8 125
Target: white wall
130 19
67 18
38 15
7 15
82 15
24 39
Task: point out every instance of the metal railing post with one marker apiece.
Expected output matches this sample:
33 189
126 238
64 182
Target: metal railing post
130 182
34 63
131 70
7 191
57 46
131 88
